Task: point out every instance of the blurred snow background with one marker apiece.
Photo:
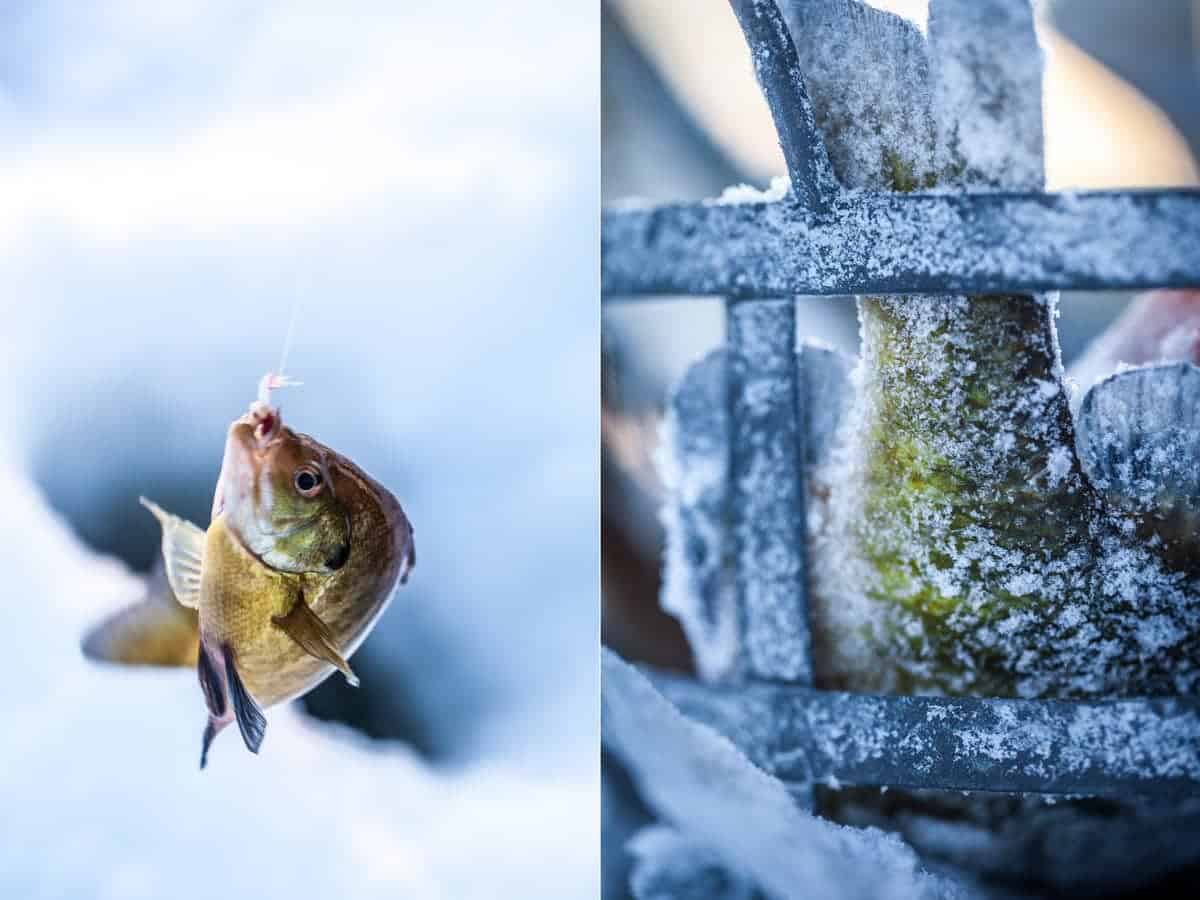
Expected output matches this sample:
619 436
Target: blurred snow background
421 180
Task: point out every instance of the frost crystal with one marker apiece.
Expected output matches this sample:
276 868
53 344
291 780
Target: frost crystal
693 463
744 193
670 866
696 780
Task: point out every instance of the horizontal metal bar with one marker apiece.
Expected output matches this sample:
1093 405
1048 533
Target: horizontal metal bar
1103 747
906 243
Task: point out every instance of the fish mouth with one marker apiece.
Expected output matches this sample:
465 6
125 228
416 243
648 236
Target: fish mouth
246 446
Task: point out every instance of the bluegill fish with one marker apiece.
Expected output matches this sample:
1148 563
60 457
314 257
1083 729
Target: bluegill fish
301 557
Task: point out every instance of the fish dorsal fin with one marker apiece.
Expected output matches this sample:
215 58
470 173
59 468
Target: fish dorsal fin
305 627
183 553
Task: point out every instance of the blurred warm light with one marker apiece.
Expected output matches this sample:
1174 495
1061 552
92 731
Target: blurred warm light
1100 131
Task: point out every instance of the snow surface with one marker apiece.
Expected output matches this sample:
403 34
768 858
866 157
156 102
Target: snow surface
104 798
175 176
705 788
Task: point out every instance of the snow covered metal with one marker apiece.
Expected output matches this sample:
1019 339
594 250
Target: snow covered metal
821 238
869 243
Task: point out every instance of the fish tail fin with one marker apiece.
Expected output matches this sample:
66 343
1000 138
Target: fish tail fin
155 631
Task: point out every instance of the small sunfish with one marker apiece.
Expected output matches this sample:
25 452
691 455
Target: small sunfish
301 557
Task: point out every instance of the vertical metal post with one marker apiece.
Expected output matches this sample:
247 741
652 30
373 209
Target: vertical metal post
766 490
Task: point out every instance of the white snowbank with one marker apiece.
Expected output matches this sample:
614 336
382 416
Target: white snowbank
103 797
697 780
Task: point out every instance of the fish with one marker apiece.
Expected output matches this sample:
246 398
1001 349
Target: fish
301 557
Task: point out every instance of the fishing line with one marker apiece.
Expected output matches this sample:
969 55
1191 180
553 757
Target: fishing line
275 380
287 339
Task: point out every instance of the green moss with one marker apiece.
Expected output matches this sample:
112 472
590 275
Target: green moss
901 175
949 385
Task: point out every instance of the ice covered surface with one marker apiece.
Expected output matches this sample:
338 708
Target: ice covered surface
1109 748
960 533
1072 605
865 65
765 507
697 781
881 244
963 538
1138 434
98 768
669 866
177 175
987 90
959 519
693 462
899 111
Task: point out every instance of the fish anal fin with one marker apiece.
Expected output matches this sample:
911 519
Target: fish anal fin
212 682
211 729
155 631
183 553
251 721
305 627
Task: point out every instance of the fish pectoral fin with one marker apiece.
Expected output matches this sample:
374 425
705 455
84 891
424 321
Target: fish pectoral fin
183 553
251 721
305 627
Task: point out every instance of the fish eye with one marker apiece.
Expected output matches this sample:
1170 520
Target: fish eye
308 482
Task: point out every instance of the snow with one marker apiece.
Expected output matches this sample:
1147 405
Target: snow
693 464
1138 433
866 65
956 544
696 780
669 866
766 490
99 765
177 176
988 104
744 193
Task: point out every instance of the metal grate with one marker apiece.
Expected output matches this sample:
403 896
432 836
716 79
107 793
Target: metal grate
820 239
